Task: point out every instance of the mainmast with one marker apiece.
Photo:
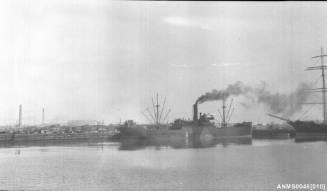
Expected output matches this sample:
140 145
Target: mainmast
224 114
322 67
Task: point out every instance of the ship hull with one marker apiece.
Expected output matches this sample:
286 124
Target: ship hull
149 132
309 127
309 130
238 130
234 131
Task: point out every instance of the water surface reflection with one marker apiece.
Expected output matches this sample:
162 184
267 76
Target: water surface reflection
136 144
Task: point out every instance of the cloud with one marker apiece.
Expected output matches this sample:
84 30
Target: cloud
226 64
180 65
223 24
184 22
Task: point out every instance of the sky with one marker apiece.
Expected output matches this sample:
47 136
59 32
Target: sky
105 60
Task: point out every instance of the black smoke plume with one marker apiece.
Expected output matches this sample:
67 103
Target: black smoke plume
277 103
235 89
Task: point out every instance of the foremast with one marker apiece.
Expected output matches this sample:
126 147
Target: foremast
158 116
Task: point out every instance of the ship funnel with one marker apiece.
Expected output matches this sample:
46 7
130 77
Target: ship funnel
195 112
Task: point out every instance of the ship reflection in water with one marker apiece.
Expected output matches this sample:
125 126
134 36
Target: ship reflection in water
310 138
136 144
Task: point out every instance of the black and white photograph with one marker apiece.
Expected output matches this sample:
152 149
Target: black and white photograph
112 95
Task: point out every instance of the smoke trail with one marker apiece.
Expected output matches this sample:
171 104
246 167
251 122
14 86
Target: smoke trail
277 103
285 104
235 89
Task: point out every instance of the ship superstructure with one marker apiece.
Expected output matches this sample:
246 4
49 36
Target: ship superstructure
205 123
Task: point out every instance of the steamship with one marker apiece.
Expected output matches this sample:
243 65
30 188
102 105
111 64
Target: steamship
204 125
312 130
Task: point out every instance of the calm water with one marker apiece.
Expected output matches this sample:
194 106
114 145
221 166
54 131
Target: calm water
257 165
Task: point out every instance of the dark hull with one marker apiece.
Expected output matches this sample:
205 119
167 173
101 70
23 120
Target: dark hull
270 135
309 127
163 132
309 130
238 130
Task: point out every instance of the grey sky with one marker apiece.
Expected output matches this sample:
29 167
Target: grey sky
104 60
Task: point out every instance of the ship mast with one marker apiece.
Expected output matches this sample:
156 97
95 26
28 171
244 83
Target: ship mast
224 114
322 67
159 113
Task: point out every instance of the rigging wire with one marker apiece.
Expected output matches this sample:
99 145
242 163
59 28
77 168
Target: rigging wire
316 81
317 60
146 116
305 117
305 112
314 95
